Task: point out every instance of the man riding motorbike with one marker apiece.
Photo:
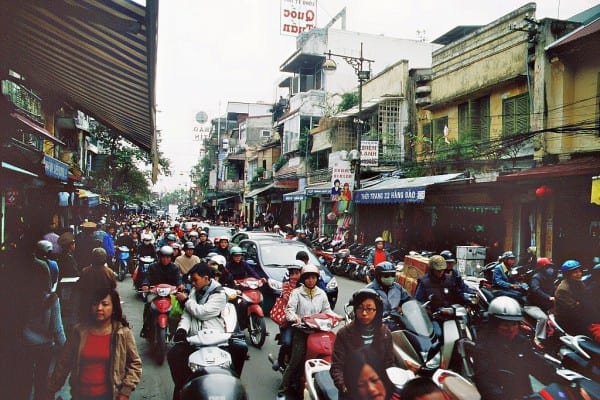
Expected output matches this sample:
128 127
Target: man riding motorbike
392 294
162 271
501 279
377 255
204 246
202 310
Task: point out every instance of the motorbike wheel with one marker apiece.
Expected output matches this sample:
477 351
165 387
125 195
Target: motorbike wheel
257 330
122 271
161 344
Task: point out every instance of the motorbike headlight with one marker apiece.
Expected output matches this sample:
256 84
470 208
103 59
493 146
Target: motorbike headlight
194 367
275 284
332 284
163 292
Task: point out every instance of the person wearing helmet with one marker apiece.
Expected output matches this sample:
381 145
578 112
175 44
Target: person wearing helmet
460 284
41 276
176 251
193 237
308 299
218 262
222 247
592 291
238 268
570 300
366 332
186 261
146 248
392 294
172 239
541 292
301 237
290 282
502 357
204 246
161 271
437 287
501 280
377 255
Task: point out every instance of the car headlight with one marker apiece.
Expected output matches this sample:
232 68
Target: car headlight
332 284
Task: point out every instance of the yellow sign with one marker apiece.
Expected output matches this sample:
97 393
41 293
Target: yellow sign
595 197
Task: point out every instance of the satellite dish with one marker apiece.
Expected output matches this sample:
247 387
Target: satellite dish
201 117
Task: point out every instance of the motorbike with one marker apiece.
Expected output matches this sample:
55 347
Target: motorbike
122 266
417 347
255 317
139 273
159 331
212 374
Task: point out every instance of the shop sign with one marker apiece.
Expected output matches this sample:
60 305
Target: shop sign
56 169
399 195
11 197
297 16
369 153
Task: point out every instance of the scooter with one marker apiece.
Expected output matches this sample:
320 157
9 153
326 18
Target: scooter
122 262
255 317
159 323
139 273
212 374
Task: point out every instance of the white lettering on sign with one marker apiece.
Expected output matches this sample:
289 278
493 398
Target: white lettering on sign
369 153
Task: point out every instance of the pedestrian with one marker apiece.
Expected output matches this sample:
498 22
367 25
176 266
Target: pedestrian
86 242
100 354
42 334
366 332
97 276
66 260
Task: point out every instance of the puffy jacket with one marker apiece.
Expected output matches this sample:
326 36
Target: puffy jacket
125 370
304 301
348 340
570 307
158 273
203 309
541 289
444 291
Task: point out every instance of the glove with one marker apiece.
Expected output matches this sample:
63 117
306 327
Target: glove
180 335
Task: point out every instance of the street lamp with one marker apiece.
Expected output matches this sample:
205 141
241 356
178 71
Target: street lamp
363 75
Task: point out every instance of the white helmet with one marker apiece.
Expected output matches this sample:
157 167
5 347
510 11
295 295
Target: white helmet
309 269
507 308
218 259
378 239
147 237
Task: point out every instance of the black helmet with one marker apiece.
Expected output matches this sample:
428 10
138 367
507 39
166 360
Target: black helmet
361 295
448 256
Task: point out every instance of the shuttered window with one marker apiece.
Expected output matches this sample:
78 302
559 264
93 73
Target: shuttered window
515 115
474 119
437 134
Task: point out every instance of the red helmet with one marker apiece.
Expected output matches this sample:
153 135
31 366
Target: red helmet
543 261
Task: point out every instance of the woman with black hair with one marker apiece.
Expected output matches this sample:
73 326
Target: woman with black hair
100 354
365 332
366 377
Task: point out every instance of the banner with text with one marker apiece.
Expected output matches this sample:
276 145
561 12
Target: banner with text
390 196
369 153
297 16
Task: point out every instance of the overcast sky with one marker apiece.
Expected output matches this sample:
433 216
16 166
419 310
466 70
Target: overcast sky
214 51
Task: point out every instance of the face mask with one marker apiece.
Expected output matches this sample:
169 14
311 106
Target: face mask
550 271
388 281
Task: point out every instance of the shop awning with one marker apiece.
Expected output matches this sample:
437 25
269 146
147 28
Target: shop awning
578 166
88 198
97 55
38 129
321 188
257 191
396 190
294 196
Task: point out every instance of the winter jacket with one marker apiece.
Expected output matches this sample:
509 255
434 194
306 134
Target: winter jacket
67 265
393 298
186 263
541 288
371 256
349 339
125 363
444 291
203 309
501 279
304 301
570 307
158 273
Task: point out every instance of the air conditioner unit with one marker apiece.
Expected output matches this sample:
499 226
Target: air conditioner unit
265 133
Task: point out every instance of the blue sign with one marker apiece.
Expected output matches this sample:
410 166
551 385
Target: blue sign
389 196
56 169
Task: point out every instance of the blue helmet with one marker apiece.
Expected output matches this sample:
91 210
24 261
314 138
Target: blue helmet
570 265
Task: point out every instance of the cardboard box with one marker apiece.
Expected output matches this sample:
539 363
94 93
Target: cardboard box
410 284
415 266
470 253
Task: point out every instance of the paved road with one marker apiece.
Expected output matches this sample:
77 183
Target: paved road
260 380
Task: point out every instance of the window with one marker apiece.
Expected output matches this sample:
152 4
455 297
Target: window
515 114
265 133
474 119
437 131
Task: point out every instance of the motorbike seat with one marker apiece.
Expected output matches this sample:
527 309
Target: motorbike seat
325 386
489 294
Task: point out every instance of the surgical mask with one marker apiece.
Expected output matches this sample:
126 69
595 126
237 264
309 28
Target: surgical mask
388 281
550 271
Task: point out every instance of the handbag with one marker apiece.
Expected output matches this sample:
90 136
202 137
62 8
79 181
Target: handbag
277 313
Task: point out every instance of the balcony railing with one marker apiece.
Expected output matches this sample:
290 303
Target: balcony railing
230 185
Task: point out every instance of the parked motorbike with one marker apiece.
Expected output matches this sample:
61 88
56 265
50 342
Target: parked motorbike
255 317
122 266
213 376
160 306
139 273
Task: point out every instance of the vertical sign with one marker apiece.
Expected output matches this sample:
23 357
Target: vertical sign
297 16
369 153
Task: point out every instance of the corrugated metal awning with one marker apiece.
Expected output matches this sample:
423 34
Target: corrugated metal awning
255 192
45 134
98 56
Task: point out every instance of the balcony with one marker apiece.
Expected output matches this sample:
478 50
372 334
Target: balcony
230 186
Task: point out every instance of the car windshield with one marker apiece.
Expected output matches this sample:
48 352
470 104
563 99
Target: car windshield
219 231
284 254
